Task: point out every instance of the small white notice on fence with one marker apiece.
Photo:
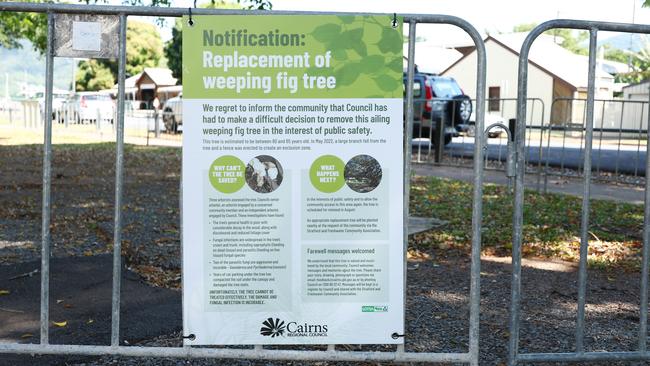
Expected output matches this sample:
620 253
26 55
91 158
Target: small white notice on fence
86 36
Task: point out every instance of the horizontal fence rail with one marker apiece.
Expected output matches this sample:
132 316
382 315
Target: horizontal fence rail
254 352
516 357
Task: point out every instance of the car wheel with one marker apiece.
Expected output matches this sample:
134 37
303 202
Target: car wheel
447 139
167 120
462 109
174 125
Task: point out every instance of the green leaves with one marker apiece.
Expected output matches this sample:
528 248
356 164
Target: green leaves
364 49
386 83
396 63
339 54
391 41
346 19
348 74
327 33
373 62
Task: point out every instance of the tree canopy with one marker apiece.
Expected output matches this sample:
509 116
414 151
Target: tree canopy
91 76
17 26
568 38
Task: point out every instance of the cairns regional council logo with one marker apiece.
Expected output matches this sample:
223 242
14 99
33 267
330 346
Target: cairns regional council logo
276 328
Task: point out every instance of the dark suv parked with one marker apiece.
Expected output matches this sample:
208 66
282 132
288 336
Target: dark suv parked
438 98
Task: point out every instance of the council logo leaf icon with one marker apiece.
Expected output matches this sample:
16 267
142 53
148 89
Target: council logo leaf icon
273 328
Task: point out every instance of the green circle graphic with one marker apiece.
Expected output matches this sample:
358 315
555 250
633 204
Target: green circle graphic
326 173
226 174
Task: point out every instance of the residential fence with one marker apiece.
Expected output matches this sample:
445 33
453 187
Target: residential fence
141 120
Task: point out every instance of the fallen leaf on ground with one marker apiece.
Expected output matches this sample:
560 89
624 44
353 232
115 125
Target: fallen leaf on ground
90 321
4 292
26 335
61 324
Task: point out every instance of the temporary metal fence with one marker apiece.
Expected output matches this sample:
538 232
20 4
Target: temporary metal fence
620 152
459 150
251 352
555 141
516 357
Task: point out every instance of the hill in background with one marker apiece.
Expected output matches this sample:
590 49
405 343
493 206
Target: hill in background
24 66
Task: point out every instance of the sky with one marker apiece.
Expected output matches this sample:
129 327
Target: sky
491 16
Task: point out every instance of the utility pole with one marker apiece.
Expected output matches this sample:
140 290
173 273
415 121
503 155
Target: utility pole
629 55
73 85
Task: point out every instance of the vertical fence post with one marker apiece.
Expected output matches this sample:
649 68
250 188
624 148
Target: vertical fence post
156 124
477 203
47 180
518 212
440 140
408 134
584 225
643 316
119 167
541 153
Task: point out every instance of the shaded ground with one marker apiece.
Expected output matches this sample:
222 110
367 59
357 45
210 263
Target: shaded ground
80 303
438 271
83 193
436 310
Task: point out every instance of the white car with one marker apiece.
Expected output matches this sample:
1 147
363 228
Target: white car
172 114
58 100
490 119
87 106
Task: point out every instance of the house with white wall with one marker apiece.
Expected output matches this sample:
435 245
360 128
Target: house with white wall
635 109
553 72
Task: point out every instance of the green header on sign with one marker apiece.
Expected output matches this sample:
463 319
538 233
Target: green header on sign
284 56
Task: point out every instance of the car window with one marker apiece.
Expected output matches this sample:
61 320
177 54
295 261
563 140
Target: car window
446 88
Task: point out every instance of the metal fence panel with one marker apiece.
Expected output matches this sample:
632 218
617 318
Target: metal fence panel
253 352
514 357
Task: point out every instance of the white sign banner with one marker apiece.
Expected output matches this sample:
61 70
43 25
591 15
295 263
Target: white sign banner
293 202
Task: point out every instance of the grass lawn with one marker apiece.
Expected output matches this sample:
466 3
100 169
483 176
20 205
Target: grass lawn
551 223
